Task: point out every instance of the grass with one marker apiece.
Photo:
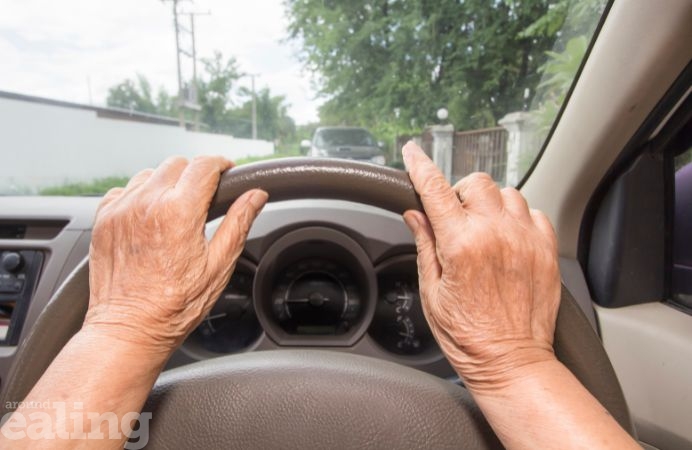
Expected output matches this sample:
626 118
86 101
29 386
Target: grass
100 186
95 187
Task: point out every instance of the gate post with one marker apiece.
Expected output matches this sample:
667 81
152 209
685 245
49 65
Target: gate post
443 147
520 140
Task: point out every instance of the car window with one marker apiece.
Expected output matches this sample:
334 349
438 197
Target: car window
682 230
92 92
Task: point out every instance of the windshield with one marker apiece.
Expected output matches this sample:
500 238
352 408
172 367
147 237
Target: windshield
348 136
93 92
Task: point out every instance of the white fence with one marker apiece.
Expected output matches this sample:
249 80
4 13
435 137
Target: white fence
48 145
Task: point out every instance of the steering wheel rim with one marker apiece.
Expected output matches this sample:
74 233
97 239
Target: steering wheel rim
445 415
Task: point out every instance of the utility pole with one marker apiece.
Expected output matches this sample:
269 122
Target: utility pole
176 27
194 60
254 107
254 102
184 101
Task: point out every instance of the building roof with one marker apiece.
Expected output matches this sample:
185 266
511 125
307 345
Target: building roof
101 111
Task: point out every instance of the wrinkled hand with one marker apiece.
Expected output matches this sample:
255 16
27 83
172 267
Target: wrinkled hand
153 274
488 271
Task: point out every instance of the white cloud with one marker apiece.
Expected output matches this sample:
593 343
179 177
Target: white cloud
51 48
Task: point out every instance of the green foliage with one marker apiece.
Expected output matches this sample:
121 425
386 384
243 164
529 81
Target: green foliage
389 65
558 75
273 122
100 186
96 187
251 159
136 95
216 90
576 22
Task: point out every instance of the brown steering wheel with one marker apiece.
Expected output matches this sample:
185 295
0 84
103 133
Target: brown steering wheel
308 398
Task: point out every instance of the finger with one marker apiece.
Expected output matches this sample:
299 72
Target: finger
167 174
515 204
200 178
112 195
439 201
479 192
228 241
544 226
139 179
429 269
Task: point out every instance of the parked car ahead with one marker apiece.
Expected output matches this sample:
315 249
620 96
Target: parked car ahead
345 142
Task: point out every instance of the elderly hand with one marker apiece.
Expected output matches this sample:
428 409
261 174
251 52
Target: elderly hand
488 271
153 273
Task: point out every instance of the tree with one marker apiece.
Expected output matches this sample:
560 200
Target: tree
134 95
392 64
216 90
273 121
575 22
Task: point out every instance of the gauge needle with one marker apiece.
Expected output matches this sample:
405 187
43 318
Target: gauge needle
305 300
316 300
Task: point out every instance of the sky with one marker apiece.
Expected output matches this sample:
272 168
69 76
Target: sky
74 50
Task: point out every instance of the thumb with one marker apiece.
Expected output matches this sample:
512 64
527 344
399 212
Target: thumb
429 270
228 241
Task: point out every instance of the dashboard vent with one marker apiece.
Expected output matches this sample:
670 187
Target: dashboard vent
31 229
12 231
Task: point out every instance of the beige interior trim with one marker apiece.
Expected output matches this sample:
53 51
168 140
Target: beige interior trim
644 45
649 346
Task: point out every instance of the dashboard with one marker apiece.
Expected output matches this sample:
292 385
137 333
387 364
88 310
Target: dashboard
315 274
322 274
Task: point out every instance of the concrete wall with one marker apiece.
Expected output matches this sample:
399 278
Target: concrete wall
45 145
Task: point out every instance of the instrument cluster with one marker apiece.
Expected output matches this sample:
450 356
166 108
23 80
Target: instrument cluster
317 287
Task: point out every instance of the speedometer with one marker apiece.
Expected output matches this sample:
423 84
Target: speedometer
315 286
231 325
316 296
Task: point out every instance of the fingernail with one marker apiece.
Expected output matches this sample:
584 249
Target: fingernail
258 198
407 152
411 221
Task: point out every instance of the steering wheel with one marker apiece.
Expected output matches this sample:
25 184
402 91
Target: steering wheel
310 398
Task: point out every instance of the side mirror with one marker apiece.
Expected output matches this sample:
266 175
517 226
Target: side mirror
305 144
380 144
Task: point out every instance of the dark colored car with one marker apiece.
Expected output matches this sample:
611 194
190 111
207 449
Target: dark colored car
345 142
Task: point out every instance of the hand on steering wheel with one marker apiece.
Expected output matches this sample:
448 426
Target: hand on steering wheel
153 273
488 273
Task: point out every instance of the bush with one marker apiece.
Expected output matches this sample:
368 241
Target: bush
95 187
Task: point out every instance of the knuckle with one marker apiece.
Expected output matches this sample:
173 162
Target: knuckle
105 220
202 160
144 173
510 191
539 215
481 178
113 191
175 160
513 196
434 184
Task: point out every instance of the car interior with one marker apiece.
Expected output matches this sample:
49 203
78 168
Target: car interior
606 177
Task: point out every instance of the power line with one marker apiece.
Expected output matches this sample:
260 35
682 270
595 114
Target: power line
186 99
193 87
